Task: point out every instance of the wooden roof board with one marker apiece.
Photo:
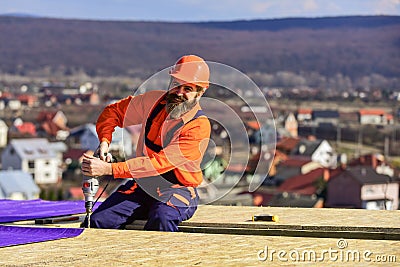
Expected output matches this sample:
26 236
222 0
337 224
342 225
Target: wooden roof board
138 248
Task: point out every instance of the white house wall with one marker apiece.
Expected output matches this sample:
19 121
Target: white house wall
381 191
122 143
3 134
372 119
325 155
306 168
14 104
45 170
304 117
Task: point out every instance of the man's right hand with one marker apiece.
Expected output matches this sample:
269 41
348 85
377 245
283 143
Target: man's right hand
102 151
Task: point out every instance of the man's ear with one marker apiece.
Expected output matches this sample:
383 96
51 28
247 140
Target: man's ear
201 92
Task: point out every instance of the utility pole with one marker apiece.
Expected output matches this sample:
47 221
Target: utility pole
338 135
386 147
359 142
395 118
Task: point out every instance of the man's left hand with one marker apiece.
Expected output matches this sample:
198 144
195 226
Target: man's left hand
92 166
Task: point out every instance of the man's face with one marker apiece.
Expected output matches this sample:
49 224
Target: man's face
181 98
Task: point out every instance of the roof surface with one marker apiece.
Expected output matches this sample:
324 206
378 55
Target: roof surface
303 183
325 114
12 181
33 148
306 147
367 175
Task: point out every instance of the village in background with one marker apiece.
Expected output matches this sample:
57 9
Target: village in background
332 86
339 152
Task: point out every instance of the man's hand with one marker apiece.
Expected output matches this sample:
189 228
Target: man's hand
92 166
102 151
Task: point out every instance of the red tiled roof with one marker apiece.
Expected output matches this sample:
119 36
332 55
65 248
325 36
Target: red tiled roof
74 153
27 127
295 161
26 98
287 143
50 128
372 112
304 111
253 124
302 184
280 155
46 116
367 160
5 95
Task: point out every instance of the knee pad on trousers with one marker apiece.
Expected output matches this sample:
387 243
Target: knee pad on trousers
160 220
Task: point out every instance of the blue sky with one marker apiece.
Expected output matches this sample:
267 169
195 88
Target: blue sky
197 10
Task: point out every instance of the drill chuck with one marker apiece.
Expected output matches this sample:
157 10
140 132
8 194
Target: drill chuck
90 187
88 206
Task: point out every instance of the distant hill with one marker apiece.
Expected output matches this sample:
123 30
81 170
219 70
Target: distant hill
351 46
19 15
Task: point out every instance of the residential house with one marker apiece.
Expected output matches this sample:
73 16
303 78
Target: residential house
351 117
304 115
318 151
121 143
376 161
28 100
304 184
17 185
291 167
14 104
3 133
54 124
291 125
59 149
20 129
94 99
325 118
85 137
278 158
73 156
34 156
5 97
287 144
375 117
303 190
362 187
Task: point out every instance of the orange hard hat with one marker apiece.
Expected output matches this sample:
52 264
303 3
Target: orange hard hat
192 69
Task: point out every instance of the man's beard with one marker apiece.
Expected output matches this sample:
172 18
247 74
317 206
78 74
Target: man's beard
178 105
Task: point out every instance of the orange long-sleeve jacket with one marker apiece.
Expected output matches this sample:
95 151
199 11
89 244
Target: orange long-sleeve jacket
183 154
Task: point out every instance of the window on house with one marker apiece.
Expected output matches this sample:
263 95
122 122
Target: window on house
28 151
31 164
42 151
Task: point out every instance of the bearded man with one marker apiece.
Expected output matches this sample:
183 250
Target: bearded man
172 142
